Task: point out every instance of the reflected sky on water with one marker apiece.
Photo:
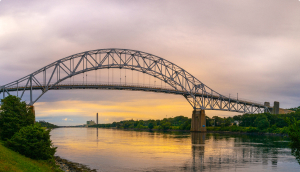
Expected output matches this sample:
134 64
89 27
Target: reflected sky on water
119 150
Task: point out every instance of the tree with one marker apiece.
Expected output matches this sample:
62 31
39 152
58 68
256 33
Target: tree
13 116
47 124
209 121
165 125
151 124
32 141
186 125
228 121
294 134
217 120
261 122
238 118
248 120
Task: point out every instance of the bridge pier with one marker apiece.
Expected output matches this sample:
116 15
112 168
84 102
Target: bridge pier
198 121
275 108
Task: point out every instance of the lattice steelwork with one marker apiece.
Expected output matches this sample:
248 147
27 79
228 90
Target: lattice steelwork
197 94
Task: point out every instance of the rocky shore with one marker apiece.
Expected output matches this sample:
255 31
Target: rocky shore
69 166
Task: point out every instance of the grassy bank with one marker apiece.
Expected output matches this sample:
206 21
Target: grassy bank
13 161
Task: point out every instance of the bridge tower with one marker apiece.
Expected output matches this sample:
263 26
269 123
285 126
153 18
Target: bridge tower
198 121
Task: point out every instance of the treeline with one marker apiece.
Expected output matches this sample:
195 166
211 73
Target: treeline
264 123
176 123
47 124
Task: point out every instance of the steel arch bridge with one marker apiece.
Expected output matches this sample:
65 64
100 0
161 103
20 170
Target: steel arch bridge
181 82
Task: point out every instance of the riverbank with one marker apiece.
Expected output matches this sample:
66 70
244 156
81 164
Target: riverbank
13 161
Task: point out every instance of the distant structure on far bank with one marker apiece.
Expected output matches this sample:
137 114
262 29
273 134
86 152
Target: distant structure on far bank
91 122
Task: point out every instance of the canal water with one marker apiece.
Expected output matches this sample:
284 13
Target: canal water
110 150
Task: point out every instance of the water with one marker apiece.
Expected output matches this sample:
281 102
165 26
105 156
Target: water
118 150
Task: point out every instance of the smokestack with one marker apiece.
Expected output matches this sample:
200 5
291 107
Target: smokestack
97 119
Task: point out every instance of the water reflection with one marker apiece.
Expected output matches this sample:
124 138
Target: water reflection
296 152
198 141
118 150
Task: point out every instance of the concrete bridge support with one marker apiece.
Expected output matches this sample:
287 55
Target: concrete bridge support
275 108
198 121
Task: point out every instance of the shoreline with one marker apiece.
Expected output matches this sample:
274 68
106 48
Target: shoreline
209 131
69 166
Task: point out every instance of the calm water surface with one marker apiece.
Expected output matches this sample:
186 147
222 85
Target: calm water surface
117 150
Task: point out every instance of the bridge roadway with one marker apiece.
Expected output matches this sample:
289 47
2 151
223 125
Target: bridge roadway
134 88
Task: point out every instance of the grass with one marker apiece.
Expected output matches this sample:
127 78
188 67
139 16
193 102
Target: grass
13 161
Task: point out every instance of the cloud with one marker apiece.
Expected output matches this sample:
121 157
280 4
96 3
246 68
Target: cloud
66 119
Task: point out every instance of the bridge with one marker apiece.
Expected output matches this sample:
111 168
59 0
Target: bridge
55 76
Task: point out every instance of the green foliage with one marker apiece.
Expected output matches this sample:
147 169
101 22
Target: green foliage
14 115
294 134
228 121
261 122
186 125
47 124
176 123
165 125
150 125
294 131
241 123
32 141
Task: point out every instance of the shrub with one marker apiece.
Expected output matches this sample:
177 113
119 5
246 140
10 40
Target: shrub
32 141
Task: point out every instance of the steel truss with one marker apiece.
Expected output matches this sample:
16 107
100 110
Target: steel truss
197 93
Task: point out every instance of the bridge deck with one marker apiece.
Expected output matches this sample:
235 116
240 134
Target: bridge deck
132 88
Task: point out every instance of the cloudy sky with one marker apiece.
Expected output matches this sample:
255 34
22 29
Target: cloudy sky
248 47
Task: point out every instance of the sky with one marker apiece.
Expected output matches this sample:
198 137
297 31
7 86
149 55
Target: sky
246 47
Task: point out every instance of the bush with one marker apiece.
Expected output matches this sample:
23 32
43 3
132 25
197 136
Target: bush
13 116
32 141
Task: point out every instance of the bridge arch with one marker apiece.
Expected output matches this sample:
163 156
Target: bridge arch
196 93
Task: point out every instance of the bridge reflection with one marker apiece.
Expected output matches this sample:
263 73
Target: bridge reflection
198 141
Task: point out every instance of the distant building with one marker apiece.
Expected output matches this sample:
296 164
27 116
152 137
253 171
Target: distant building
91 122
